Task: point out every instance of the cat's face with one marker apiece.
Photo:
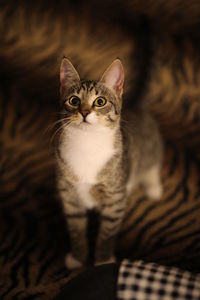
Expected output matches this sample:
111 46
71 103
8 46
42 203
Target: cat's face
91 104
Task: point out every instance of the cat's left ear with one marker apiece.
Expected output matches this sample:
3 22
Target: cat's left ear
113 77
68 74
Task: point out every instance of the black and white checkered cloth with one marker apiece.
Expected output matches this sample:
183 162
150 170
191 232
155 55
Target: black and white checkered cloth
149 281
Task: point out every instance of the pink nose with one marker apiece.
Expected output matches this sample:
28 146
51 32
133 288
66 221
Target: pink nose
85 113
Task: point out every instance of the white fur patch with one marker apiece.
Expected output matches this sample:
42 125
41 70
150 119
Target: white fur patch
83 189
92 118
87 149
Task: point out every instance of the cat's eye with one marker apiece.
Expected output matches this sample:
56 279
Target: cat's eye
100 102
74 101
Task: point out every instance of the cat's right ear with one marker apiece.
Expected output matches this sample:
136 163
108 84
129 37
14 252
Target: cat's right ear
68 75
113 77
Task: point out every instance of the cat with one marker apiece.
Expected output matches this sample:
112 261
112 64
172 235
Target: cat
100 161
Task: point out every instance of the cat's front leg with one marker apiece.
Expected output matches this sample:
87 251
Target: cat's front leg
76 218
111 219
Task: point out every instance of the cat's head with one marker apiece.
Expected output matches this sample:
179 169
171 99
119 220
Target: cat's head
91 103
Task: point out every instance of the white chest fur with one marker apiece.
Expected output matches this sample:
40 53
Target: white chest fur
86 153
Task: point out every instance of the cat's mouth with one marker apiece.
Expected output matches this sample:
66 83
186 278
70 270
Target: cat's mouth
84 123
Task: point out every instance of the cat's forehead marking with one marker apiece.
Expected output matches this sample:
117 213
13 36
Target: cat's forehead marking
88 85
87 91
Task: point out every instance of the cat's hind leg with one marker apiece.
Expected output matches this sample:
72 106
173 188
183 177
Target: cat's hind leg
151 180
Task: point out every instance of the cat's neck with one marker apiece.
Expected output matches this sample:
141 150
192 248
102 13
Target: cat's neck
86 152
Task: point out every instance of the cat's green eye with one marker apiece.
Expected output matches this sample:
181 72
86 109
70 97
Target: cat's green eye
100 102
74 101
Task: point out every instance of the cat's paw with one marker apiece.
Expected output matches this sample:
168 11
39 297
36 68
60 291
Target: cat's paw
110 260
154 191
71 262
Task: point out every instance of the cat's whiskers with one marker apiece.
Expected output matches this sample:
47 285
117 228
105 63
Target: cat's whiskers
56 133
51 126
126 125
59 129
123 120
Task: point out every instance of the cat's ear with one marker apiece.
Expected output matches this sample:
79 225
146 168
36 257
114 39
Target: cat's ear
68 74
113 77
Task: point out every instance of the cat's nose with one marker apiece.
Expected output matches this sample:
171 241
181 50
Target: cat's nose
85 113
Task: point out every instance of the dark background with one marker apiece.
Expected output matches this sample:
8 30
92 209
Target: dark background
158 43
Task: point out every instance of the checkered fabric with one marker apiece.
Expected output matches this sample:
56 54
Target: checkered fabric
149 281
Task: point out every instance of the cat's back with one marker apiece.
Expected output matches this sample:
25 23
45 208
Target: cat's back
145 142
140 119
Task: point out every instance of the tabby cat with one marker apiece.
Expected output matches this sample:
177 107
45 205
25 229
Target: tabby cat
100 160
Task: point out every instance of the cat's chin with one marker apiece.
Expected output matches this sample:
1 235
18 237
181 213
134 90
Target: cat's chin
81 125
88 126
85 125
